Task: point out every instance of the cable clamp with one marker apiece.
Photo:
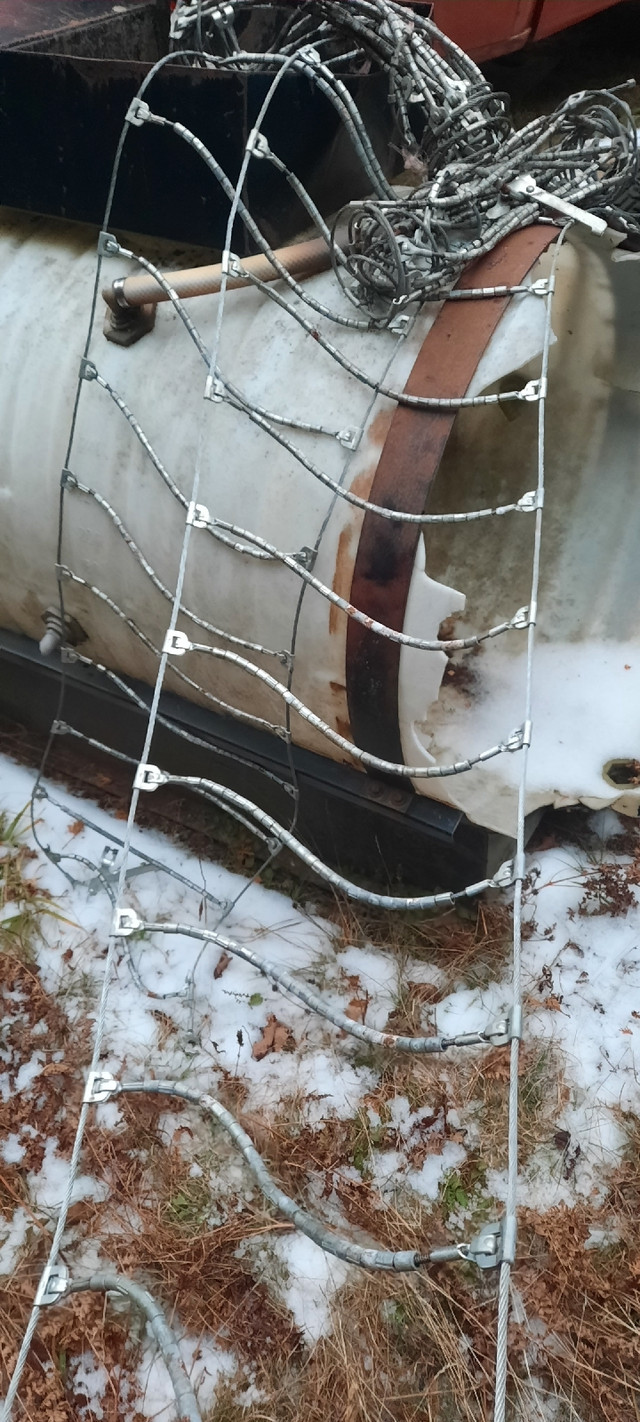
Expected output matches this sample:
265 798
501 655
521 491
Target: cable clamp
504 876
258 145
138 112
100 1086
214 389
198 515
526 189
306 557
522 618
519 872
223 16
54 1284
68 480
88 371
350 439
63 573
527 732
515 741
149 777
516 1022
533 391
400 325
544 287
108 245
231 265
176 644
499 1034
530 501
125 922
309 55
60 728
485 1250
508 1240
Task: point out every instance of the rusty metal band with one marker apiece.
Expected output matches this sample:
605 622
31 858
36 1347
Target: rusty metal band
407 467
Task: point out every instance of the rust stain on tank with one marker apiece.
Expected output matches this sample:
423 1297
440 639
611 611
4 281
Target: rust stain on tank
344 728
361 485
379 428
342 578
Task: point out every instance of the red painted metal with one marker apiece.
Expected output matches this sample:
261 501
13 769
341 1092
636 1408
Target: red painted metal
486 28
557 15
406 469
489 28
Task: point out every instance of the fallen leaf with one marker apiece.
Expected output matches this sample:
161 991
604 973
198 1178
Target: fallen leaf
101 780
67 955
76 828
275 1038
56 1069
553 1003
222 965
626 1032
357 1009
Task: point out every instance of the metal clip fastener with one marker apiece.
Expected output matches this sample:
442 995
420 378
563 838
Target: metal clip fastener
63 573
527 732
176 644
258 145
533 390
350 439
400 325
526 188
137 113
515 1025
214 390
60 728
309 54
306 557
530 501
499 1034
53 1285
88 371
198 515
519 872
68 480
100 1086
515 741
149 777
486 1248
522 618
223 16
125 922
108 245
544 287
503 877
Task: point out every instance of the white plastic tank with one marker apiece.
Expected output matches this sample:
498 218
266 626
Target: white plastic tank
434 708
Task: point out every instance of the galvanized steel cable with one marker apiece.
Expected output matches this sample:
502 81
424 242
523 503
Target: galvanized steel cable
151 777
255 817
502 1344
417 1046
457 134
105 1282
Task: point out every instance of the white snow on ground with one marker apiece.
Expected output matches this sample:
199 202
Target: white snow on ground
582 988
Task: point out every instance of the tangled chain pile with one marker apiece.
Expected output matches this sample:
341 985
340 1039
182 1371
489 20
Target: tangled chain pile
455 132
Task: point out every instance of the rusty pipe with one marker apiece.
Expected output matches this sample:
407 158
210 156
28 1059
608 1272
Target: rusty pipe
303 259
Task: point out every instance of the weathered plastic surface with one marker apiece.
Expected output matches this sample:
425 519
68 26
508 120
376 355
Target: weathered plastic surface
587 676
